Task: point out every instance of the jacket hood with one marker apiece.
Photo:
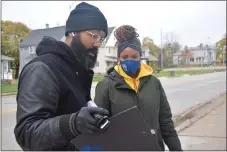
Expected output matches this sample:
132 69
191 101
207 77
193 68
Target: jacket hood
51 45
145 70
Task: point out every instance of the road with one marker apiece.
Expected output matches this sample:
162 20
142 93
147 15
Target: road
196 68
182 93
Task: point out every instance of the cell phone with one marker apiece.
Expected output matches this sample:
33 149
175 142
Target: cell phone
103 121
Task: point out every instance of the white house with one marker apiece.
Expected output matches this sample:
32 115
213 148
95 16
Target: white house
106 57
177 57
6 72
203 55
200 55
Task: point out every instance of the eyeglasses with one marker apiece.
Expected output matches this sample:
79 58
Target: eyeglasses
96 37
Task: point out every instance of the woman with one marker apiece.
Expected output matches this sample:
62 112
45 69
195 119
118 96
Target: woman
131 83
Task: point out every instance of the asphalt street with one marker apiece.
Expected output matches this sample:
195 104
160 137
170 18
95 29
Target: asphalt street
182 93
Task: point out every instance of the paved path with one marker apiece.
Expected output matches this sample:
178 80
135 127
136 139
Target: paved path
182 93
208 133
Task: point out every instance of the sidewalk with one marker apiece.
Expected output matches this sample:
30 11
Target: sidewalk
208 132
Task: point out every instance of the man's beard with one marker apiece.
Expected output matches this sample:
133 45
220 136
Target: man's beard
86 57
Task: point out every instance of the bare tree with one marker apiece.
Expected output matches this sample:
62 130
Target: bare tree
187 54
171 46
171 42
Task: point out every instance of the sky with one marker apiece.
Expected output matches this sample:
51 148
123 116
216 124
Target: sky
192 22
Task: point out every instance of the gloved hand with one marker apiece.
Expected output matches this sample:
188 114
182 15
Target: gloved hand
85 120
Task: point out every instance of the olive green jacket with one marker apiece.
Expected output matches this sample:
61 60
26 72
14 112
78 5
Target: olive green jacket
116 96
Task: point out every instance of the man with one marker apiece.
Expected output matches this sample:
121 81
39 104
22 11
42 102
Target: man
54 88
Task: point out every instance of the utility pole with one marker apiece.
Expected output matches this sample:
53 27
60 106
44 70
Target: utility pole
161 51
223 55
202 53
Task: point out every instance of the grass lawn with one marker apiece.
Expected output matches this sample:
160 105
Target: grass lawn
189 72
97 78
9 88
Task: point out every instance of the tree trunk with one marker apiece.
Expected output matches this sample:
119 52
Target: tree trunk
16 71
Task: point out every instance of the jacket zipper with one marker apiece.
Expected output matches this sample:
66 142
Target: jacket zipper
136 91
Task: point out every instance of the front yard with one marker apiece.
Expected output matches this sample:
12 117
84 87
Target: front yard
8 88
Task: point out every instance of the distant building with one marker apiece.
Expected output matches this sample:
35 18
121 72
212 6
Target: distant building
199 55
107 56
6 72
146 56
107 52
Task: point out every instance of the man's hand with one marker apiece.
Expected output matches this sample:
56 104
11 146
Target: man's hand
85 120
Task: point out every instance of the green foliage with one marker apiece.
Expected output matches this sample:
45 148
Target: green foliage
11 34
221 49
154 49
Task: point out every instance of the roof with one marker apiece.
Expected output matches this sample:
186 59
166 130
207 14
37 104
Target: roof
31 56
152 58
178 53
57 33
35 36
110 31
210 47
3 57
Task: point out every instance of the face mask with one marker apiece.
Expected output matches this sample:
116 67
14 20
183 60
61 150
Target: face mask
86 57
130 67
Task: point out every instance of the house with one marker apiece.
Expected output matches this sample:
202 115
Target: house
6 72
107 51
199 55
106 59
146 56
28 46
177 57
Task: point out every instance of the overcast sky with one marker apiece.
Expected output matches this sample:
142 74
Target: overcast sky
193 22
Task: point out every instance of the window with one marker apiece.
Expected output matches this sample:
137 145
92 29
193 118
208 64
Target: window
97 64
108 63
191 59
31 50
5 66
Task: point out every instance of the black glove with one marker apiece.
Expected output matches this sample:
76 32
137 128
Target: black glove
85 120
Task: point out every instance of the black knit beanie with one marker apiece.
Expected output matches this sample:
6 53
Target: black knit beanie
86 17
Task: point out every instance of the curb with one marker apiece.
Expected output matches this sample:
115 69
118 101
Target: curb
188 117
9 94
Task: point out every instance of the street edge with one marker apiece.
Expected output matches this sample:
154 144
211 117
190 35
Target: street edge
183 119
8 94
